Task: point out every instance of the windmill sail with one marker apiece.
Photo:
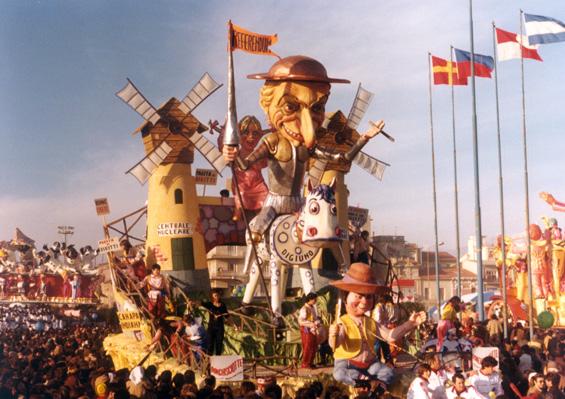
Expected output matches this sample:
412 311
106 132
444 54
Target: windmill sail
133 97
144 168
201 90
372 165
362 101
209 151
316 171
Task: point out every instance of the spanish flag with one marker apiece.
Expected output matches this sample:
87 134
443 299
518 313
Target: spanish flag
251 42
445 73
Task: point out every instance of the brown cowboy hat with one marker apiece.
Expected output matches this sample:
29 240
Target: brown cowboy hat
297 68
359 279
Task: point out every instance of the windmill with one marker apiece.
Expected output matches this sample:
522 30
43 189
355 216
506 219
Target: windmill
170 134
339 134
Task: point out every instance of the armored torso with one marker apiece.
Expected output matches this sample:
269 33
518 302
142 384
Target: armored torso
287 166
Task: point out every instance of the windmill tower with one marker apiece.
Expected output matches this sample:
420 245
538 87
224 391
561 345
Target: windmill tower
170 134
339 134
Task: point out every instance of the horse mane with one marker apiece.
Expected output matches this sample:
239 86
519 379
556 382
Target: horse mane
324 191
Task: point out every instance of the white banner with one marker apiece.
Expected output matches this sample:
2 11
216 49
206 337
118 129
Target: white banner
227 368
109 245
481 352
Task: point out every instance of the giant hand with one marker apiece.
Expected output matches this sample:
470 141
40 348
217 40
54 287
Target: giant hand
229 153
418 318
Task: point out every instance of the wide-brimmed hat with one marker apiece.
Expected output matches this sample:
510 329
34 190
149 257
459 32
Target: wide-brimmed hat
297 68
359 279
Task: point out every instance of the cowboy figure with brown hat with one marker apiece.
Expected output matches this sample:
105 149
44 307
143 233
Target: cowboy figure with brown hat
294 100
353 336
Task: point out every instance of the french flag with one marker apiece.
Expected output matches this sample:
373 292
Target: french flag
484 64
510 46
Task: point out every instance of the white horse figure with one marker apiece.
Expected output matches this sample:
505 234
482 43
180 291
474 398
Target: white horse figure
294 239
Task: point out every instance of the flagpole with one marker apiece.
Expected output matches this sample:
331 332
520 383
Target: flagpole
527 196
500 187
231 135
455 185
231 138
478 230
434 185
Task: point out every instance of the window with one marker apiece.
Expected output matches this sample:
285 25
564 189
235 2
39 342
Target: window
183 253
178 196
441 294
427 293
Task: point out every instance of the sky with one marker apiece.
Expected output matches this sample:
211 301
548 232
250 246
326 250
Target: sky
65 138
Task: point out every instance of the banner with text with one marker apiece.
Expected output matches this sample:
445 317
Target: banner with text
227 368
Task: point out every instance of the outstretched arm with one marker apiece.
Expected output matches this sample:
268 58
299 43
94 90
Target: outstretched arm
398 332
550 199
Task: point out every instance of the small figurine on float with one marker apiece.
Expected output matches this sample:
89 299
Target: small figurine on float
540 267
353 336
75 286
157 289
556 238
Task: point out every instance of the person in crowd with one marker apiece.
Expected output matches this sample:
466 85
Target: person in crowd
494 328
361 247
438 377
131 260
309 324
460 391
196 335
487 381
157 288
537 386
448 320
385 314
218 313
419 387
552 383
453 348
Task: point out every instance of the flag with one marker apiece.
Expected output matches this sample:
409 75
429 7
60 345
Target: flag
510 46
445 73
251 42
543 30
484 64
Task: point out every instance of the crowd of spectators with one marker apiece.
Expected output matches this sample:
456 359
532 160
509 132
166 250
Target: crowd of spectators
526 368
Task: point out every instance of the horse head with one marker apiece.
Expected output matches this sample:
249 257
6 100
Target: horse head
317 223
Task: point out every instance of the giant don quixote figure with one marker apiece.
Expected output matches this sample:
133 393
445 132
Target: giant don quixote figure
293 98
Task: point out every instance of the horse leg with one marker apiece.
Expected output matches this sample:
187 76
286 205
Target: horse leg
252 284
307 278
275 268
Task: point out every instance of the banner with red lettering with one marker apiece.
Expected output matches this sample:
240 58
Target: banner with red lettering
227 368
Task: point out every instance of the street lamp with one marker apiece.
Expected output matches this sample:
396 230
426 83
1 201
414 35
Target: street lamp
66 231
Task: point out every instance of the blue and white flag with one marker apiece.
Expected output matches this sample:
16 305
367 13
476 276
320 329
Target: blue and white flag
543 30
